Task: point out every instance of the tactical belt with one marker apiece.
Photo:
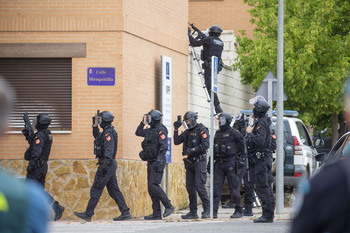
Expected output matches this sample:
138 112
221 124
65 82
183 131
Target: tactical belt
199 157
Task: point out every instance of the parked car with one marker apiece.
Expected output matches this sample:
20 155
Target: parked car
336 152
298 150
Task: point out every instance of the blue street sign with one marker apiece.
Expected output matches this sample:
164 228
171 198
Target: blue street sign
100 76
214 74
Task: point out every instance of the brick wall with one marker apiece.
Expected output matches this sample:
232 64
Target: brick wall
228 14
130 37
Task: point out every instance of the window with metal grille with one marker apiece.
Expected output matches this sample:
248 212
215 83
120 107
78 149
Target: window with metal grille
42 85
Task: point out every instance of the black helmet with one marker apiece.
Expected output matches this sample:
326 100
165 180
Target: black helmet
155 115
261 107
215 30
43 119
107 116
224 119
190 119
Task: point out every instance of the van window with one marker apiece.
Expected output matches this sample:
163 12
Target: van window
303 133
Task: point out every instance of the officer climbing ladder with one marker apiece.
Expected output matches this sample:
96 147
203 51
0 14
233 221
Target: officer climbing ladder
212 46
198 65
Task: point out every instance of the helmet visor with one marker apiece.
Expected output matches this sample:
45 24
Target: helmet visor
147 119
188 124
221 120
255 99
97 120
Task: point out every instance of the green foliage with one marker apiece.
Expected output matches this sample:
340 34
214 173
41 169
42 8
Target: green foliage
316 53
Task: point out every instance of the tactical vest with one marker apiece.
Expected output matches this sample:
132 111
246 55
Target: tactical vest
225 145
109 129
193 138
150 144
47 144
214 49
267 144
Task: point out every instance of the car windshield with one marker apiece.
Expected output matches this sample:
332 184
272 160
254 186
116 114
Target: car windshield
337 150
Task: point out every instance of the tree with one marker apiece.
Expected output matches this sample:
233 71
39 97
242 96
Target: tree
316 53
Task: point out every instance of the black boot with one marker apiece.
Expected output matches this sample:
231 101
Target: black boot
123 217
237 214
215 214
168 211
58 209
83 215
229 205
263 219
206 214
153 217
190 215
247 212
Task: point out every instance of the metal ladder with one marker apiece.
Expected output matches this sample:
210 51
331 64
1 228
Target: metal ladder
200 71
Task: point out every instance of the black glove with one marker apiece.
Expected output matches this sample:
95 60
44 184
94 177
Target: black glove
31 166
177 124
189 151
142 155
189 31
103 165
25 133
158 166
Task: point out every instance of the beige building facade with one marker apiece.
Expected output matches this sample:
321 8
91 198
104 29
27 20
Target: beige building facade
129 36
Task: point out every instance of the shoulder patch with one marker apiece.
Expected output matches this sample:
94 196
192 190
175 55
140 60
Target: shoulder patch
162 136
274 136
258 128
108 138
160 132
37 141
204 135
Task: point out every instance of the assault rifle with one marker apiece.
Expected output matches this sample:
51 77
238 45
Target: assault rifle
28 131
200 33
241 124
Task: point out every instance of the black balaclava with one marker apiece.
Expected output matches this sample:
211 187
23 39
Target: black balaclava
104 124
225 126
154 123
39 126
258 114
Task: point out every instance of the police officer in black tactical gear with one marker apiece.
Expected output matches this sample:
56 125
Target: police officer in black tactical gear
249 195
259 136
195 141
105 149
154 148
227 143
212 46
38 154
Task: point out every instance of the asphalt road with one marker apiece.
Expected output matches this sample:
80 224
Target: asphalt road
219 226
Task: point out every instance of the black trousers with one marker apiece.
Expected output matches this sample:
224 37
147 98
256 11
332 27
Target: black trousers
109 180
196 177
227 169
157 194
207 78
262 177
39 175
